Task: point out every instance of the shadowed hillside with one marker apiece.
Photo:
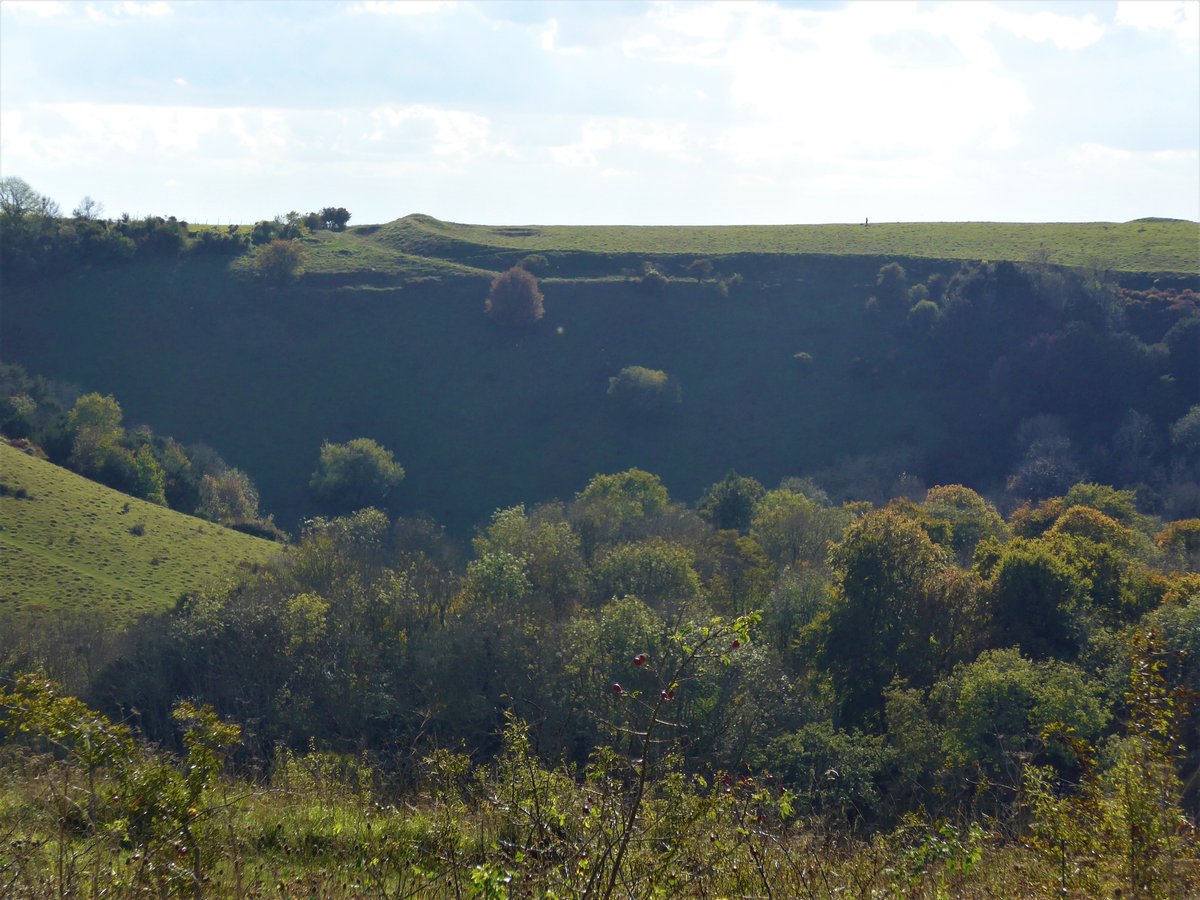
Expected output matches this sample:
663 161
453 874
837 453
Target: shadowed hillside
782 369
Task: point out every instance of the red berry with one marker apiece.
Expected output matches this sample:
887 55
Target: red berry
736 643
640 659
668 694
616 688
728 779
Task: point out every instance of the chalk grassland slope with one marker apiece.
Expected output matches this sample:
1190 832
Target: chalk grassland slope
480 416
74 544
385 338
1145 245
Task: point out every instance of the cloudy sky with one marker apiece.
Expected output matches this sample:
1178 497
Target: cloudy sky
607 112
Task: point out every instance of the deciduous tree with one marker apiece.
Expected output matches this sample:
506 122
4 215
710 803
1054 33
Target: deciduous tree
354 475
514 298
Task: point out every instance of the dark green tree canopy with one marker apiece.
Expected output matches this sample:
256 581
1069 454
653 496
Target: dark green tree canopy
729 504
354 475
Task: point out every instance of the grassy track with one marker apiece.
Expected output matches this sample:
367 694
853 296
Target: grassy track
71 543
1138 246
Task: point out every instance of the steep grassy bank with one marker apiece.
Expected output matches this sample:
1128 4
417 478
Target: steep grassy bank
480 417
71 544
384 337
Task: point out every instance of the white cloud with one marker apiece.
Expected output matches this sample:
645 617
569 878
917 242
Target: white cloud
401 7
1182 17
815 85
1176 155
254 139
548 39
153 8
107 12
41 8
1088 152
600 139
1065 32
450 134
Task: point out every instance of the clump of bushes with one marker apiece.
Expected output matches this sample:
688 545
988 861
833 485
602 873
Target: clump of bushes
652 281
534 263
637 389
280 261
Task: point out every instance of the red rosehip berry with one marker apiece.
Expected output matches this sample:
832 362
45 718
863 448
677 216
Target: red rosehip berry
616 688
736 643
668 694
640 659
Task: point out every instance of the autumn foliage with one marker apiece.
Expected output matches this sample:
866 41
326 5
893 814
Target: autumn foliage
514 298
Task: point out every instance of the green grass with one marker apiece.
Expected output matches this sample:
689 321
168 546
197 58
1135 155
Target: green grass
70 544
351 258
1139 246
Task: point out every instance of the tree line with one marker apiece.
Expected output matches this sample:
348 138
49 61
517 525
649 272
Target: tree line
36 239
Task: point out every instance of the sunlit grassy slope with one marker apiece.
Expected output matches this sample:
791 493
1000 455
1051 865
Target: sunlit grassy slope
1144 245
71 543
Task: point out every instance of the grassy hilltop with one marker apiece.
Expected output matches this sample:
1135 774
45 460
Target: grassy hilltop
69 543
422 246
1144 245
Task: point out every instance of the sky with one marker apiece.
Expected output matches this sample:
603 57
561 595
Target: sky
607 112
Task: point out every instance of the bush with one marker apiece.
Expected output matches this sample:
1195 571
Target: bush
644 391
280 261
354 475
923 316
514 298
534 263
700 269
653 281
